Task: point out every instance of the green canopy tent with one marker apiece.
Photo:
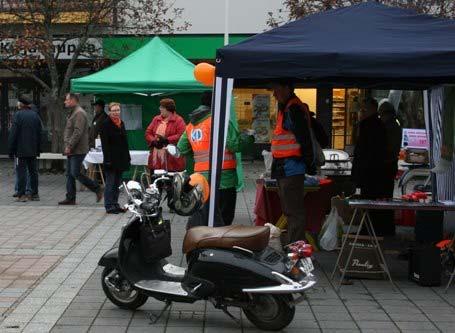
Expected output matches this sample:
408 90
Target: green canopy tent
156 69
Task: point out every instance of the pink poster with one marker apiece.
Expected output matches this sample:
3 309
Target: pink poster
414 138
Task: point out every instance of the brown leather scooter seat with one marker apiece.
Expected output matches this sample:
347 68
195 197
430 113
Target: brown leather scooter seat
251 238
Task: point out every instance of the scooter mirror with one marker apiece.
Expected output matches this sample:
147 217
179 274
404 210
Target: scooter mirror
159 172
133 185
173 150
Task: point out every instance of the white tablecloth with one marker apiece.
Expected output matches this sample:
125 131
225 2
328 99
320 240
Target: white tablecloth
138 157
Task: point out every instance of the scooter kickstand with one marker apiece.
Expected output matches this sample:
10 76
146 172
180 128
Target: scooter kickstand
225 310
154 319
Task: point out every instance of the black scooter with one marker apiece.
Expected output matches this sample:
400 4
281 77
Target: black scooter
229 266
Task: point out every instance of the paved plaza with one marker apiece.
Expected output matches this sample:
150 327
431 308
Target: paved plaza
50 282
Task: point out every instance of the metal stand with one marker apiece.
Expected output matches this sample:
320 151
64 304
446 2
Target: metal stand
369 227
452 275
154 318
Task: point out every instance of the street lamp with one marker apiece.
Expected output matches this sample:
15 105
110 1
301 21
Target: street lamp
226 22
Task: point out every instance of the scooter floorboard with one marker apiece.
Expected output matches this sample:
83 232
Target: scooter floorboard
162 287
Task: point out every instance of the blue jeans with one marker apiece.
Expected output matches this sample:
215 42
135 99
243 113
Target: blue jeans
111 191
28 189
73 172
27 165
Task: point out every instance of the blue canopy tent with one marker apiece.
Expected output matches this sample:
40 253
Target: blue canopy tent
368 45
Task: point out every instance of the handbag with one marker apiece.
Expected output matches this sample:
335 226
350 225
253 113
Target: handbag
155 240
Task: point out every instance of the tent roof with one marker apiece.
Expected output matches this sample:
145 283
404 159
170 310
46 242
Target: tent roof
154 68
363 45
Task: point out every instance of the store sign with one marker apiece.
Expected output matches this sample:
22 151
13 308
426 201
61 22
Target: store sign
414 138
63 50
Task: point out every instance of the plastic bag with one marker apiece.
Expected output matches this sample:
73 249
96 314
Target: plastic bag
268 159
329 233
274 241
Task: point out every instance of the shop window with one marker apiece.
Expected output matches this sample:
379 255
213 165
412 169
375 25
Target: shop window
256 109
132 116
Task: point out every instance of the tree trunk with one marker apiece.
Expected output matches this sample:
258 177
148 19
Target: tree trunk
57 115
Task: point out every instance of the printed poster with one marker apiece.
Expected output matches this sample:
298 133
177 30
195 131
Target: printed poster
415 138
261 118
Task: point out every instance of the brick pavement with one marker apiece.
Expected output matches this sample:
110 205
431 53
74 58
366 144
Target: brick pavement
68 297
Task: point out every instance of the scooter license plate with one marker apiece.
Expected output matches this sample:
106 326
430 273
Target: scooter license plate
307 265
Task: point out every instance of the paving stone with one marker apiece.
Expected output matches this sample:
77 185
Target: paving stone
111 321
141 329
384 326
107 329
115 313
66 320
407 317
370 316
337 324
342 316
415 325
187 330
69 329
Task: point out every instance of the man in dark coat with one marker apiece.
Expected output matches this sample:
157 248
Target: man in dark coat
98 119
393 145
368 167
24 143
116 157
319 131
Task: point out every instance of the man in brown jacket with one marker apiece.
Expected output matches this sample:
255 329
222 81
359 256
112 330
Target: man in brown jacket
76 147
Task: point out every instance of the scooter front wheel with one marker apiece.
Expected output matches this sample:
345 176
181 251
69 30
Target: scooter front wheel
270 312
119 290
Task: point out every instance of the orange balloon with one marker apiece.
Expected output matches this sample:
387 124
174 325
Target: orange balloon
205 73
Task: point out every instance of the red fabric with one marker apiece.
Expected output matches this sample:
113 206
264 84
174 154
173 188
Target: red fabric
116 120
317 205
175 128
405 217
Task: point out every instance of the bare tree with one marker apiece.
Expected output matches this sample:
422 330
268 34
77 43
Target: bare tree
295 9
37 34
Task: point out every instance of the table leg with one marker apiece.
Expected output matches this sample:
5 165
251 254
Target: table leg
100 169
147 175
268 214
135 172
343 244
375 239
343 271
452 275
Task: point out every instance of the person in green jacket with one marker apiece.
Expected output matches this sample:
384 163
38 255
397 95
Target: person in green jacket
198 145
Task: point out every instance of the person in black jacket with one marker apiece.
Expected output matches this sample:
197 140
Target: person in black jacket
98 119
319 131
116 157
369 171
24 142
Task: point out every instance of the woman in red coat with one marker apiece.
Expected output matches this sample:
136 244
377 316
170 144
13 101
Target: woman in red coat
166 128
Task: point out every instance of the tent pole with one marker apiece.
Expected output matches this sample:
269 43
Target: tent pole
220 116
427 111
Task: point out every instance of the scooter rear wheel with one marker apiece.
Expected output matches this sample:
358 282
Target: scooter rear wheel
126 297
270 312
